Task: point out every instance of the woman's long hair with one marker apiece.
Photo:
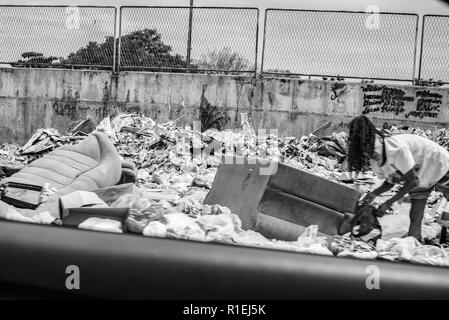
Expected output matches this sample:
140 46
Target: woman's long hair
362 135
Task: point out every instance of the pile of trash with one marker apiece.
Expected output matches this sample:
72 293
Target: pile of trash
164 147
154 146
346 246
210 223
442 138
10 156
176 168
45 140
406 249
40 143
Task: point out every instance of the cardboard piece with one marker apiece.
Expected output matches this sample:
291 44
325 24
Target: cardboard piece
79 199
76 216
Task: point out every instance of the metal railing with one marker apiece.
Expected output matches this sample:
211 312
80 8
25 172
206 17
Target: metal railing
340 43
57 36
194 39
345 44
434 60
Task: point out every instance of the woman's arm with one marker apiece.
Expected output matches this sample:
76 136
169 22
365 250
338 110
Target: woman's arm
411 182
370 196
384 187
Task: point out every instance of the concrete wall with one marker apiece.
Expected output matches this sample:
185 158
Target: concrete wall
35 98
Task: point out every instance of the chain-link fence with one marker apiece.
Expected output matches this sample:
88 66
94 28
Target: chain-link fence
340 43
184 38
434 60
153 38
57 36
225 40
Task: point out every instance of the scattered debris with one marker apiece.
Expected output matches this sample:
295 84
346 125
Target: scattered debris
176 168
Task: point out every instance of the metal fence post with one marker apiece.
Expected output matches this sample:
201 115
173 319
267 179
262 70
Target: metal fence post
421 47
114 54
119 42
189 36
414 53
264 39
257 45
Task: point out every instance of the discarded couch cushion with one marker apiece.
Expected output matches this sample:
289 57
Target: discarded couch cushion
89 165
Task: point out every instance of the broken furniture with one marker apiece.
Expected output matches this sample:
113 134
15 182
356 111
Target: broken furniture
282 203
89 165
22 195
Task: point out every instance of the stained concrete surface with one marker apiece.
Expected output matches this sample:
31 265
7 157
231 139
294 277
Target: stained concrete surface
34 98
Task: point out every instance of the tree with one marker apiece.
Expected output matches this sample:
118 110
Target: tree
225 60
31 54
142 48
32 59
93 54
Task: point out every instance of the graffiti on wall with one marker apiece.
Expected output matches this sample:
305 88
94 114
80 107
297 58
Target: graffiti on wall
75 111
338 90
383 99
338 97
428 105
393 101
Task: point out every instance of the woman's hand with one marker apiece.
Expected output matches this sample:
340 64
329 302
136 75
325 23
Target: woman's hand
369 198
384 208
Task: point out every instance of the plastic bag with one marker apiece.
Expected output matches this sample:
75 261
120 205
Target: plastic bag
221 227
98 224
155 229
397 248
105 126
181 226
310 242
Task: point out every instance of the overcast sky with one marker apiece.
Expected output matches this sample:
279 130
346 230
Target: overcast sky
19 32
414 6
